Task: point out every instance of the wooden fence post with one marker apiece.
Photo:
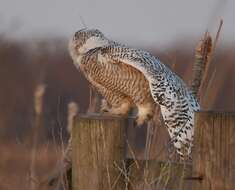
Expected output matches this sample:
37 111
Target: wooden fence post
214 151
98 153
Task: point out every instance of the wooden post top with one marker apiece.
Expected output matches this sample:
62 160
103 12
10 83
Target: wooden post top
98 116
98 152
215 112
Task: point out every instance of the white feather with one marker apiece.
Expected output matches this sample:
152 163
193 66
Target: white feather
91 43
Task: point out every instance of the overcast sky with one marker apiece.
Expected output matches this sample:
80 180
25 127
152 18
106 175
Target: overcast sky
144 22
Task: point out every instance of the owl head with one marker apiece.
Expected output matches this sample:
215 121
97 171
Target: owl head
85 40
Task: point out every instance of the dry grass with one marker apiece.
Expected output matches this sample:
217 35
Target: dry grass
15 164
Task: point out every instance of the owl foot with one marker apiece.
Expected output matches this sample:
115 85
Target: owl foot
139 121
117 111
145 113
122 109
104 108
107 110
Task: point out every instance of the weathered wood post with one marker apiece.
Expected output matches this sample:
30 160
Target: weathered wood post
214 151
98 153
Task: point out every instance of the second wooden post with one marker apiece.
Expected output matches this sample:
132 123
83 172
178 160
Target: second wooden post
214 151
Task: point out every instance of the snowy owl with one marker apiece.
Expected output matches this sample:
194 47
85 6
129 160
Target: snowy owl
128 77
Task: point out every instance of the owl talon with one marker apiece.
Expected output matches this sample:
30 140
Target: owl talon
104 110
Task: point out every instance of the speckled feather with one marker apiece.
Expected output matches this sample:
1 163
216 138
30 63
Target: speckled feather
124 74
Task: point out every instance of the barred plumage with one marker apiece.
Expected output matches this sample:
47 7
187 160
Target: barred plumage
128 77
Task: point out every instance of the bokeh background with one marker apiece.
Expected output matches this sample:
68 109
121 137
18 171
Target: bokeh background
33 50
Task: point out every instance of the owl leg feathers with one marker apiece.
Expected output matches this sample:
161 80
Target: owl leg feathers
145 112
121 109
116 109
119 103
114 103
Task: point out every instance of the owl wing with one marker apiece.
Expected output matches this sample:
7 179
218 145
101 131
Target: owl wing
162 81
167 89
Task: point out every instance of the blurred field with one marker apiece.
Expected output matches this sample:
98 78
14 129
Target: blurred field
15 164
25 64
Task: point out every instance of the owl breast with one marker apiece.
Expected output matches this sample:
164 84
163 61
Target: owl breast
119 78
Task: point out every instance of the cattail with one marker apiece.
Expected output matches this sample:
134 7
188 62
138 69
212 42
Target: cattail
202 56
38 98
38 102
72 112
